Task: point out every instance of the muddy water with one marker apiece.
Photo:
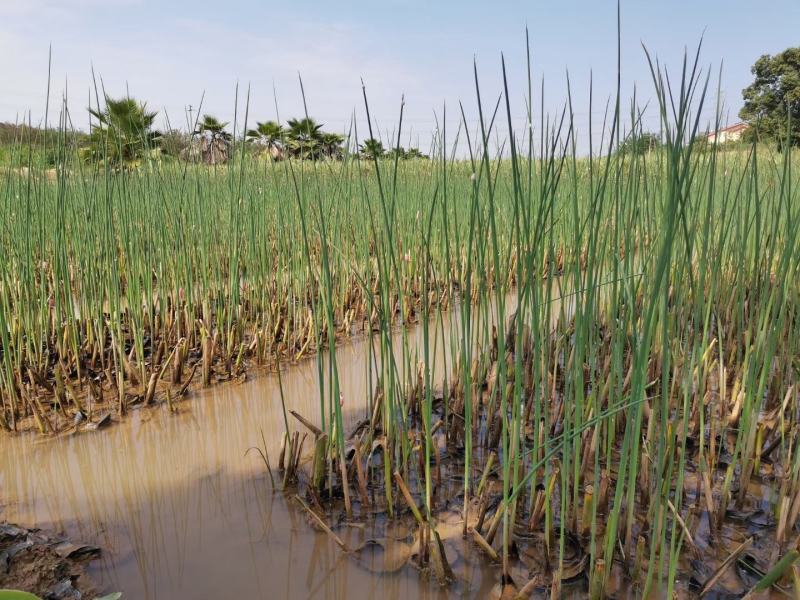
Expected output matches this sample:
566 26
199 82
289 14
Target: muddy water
182 512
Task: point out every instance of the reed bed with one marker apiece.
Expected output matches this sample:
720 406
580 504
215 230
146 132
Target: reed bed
621 399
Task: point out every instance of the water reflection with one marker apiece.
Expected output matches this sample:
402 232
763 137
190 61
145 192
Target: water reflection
183 513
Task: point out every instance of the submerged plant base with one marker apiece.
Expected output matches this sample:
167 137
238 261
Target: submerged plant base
84 392
727 543
536 564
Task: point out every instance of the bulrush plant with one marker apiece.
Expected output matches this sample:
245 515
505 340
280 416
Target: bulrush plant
591 360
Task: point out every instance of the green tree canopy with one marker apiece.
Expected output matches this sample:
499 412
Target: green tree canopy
124 130
304 138
640 143
331 144
213 128
301 138
415 153
406 154
269 133
305 129
372 148
772 101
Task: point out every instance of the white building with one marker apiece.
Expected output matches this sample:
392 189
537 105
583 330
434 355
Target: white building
728 134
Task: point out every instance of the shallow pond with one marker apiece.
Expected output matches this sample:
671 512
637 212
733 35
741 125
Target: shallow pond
182 512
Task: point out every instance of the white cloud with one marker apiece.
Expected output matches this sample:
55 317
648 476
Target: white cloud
171 64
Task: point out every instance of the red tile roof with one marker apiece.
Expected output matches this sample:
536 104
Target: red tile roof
736 127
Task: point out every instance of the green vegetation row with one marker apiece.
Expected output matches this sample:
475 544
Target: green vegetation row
122 136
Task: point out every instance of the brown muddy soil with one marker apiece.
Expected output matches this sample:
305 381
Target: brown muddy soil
45 564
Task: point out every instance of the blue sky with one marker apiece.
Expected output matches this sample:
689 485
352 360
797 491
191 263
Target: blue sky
171 53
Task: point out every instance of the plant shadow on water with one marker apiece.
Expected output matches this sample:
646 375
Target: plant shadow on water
180 511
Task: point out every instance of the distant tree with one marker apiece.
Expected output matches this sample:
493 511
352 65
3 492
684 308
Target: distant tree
406 154
20 133
301 138
270 134
397 151
331 145
123 132
213 128
304 138
640 143
415 153
174 142
772 101
214 140
372 148
305 129
49 147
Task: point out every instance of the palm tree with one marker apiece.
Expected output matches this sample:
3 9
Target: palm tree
214 140
398 152
305 129
213 128
304 137
332 145
268 133
124 130
372 148
640 143
415 153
